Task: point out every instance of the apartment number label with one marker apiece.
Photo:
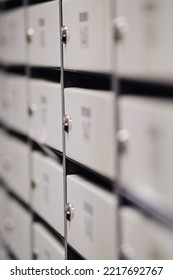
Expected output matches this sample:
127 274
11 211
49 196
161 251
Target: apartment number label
43 101
84 30
42 37
88 220
86 123
46 181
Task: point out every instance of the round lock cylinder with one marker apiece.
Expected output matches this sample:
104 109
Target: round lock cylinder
35 253
128 252
29 34
69 212
67 123
120 28
34 182
32 109
65 34
122 139
8 223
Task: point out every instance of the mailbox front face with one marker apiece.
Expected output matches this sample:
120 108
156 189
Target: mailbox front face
91 138
48 199
20 232
45 119
45 40
15 159
146 164
92 229
89 26
48 247
14 103
143 238
16 37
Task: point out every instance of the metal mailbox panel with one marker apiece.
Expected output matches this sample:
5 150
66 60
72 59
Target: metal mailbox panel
144 238
91 140
89 44
162 240
20 232
16 37
146 47
48 191
3 253
48 247
4 91
2 151
2 210
147 160
7 222
92 229
14 103
136 241
44 44
3 37
129 61
16 168
46 119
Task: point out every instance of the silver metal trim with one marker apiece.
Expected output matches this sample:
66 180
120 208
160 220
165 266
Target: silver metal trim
63 132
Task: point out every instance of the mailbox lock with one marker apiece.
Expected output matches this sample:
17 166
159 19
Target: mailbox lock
34 182
31 109
8 223
67 123
65 34
128 251
7 162
6 100
122 139
35 253
29 34
120 28
69 212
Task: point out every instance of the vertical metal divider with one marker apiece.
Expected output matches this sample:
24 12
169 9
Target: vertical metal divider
115 88
4 66
63 132
27 75
117 165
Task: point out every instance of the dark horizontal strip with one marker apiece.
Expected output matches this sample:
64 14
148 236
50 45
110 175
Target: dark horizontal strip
18 199
10 253
2 125
46 150
57 235
87 80
72 254
74 167
33 2
2 6
46 73
58 153
127 198
145 88
20 69
12 4
22 137
3 184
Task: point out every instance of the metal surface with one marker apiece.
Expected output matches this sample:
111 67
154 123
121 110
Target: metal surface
63 132
29 34
120 28
35 253
69 211
67 123
65 34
